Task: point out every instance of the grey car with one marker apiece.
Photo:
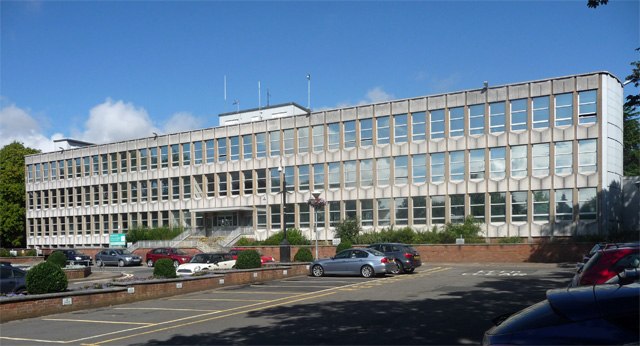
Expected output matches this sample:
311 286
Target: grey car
407 259
119 257
365 262
12 279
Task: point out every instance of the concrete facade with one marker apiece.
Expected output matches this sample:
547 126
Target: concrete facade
532 159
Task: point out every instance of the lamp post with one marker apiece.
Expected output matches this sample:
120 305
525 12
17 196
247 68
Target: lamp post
285 249
316 202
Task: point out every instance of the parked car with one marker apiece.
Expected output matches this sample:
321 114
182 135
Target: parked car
605 264
75 257
589 315
406 258
119 257
356 261
263 259
601 246
625 277
12 279
206 262
176 255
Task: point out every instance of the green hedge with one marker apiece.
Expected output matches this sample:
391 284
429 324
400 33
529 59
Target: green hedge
343 246
160 233
248 259
46 277
303 255
58 258
163 268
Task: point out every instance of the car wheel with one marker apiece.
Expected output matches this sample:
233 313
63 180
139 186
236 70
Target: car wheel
176 264
410 270
367 271
398 268
120 263
317 270
149 263
99 263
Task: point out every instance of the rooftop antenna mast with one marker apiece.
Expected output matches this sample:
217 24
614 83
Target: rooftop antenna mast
259 100
225 93
268 96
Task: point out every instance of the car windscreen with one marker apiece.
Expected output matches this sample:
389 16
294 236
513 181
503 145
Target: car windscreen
179 252
122 252
375 252
200 258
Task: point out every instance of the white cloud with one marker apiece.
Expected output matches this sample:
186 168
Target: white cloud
16 124
377 95
182 121
116 121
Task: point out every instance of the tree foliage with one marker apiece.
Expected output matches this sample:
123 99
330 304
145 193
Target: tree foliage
12 194
596 3
348 230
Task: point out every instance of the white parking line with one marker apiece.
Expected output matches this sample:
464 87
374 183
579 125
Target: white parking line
95 321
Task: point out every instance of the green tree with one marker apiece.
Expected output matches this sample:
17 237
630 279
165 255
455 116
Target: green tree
12 194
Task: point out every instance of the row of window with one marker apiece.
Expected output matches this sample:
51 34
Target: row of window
563 205
397 129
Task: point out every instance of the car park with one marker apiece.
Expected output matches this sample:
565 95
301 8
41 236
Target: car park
12 279
75 257
204 262
177 256
263 259
589 315
605 264
119 257
406 258
357 261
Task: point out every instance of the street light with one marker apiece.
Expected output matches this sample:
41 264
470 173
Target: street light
316 202
285 249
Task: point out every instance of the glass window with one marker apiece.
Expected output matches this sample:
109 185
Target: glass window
437 123
476 206
540 112
587 107
114 164
437 167
587 204
350 174
197 152
334 175
366 173
540 159
247 180
419 210
86 162
564 157
350 211
222 184
303 178
401 210
476 119
222 149
274 143
318 176
288 142
210 151
564 205
401 169
437 209
261 175
498 206
143 153
235 183
519 201
54 168
318 137
382 126
400 128
303 140
497 161
261 145
587 156
154 190
303 215
564 109
367 212
457 208
350 134
519 161
164 156
456 121
418 126
333 136
186 154
175 155
456 165
383 170
541 205
497 117
275 180
519 115
334 213
247 147
419 168
143 192
164 189
275 216
175 189
476 164
366 132
234 148
384 211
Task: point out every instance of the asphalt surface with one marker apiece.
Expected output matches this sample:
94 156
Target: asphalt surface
439 304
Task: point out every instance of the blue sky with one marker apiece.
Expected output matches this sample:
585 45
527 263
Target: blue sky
107 71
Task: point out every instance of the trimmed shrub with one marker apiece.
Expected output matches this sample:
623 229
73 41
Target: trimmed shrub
5 253
248 259
30 252
163 268
46 277
510 240
58 258
160 233
294 236
348 230
303 255
247 242
343 246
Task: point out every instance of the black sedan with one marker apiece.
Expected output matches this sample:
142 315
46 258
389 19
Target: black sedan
588 315
12 279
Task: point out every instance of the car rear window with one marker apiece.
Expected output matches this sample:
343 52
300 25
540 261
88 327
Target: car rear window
593 260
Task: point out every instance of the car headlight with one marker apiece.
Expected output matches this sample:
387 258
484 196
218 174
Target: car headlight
78 258
128 258
196 269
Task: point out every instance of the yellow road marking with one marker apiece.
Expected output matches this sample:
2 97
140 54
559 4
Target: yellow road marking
222 299
257 292
93 321
291 286
168 309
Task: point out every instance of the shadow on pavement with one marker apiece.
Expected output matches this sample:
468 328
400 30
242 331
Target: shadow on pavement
457 317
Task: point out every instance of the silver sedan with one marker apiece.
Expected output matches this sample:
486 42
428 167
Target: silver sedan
359 261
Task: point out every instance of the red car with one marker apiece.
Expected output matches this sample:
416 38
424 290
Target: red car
176 255
605 264
263 259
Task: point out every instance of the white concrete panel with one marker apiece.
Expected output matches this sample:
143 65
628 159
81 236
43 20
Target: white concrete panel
497 94
365 112
564 85
418 105
400 107
382 109
400 149
540 88
587 82
518 184
349 114
437 102
437 146
563 182
496 140
563 133
540 136
455 100
456 143
332 116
